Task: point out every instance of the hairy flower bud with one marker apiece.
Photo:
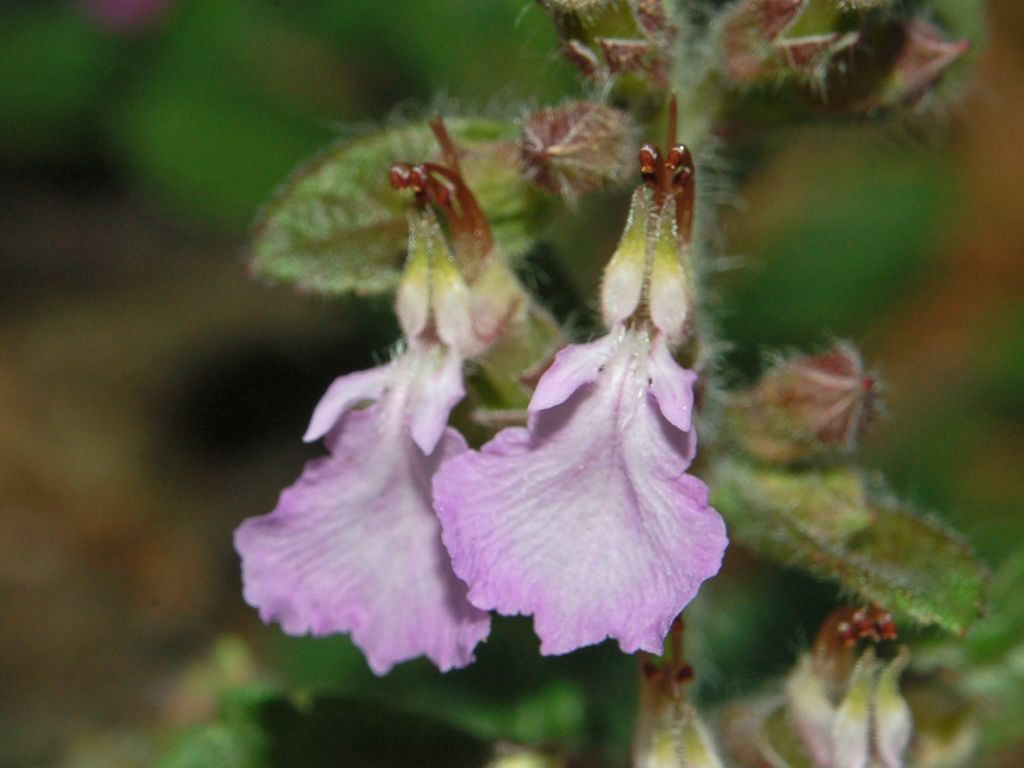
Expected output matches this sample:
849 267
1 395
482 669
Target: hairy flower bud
851 727
847 710
806 408
768 39
893 721
575 148
811 709
627 42
925 56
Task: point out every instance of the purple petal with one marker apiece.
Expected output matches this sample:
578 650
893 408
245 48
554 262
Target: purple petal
587 520
440 389
344 393
672 385
574 366
354 546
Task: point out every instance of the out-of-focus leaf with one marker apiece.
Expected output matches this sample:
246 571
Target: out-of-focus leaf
337 226
261 727
331 730
859 240
217 746
990 661
501 381
1003 629
823 521
226 102
510 694
53 67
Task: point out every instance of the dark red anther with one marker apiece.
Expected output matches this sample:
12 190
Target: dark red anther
680 162
650 162
684 674
845 633
443 185
674 175
863 624
885 627
400 175
419 182
680 165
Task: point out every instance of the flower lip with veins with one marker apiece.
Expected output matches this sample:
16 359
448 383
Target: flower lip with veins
587 518
354 545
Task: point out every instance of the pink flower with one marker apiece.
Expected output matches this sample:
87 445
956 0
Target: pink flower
586 519
354 545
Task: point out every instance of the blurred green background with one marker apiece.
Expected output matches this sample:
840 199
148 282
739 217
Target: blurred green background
151 396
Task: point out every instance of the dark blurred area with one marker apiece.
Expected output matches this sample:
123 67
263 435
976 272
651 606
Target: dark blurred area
152 395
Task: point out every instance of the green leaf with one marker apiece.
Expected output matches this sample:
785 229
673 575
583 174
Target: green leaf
337 226
54 66
217 746
1002 631
330 731
825 522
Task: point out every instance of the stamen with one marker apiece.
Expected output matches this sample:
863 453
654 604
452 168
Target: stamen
673 120
680 165
650 166
674 175
444 186
444 140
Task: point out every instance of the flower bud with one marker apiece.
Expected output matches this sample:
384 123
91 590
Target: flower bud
925 56
847 709
768 39
628 42
893 721
811 709
575 148
851 746
626 272
583 8
806 408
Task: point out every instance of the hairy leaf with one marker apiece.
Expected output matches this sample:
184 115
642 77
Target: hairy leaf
337 226
825 522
